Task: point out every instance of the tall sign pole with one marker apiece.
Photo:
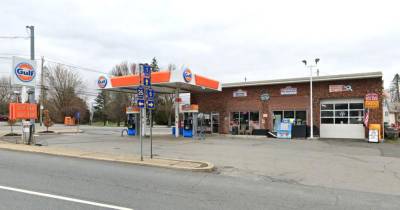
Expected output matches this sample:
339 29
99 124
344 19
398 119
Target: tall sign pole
32 92
141 105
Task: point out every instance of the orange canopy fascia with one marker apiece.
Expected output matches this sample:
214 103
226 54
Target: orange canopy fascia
134 80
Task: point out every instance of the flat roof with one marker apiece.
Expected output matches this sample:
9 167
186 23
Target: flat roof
366 75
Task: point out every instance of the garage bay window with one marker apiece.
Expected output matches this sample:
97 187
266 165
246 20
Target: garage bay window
342 113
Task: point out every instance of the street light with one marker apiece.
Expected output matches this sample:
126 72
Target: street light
311 95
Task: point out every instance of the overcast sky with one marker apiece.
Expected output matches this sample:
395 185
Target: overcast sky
226 40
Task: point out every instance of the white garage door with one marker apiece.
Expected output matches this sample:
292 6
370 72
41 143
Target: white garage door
342 118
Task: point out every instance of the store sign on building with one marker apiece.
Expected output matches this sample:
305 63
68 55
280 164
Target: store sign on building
288 91
340 88
371 101
264 97
239 93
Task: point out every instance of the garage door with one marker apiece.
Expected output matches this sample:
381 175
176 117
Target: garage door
342 118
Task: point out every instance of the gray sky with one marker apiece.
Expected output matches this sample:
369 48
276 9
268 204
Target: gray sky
226 40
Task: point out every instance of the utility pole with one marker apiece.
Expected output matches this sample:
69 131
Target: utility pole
32 91
41 92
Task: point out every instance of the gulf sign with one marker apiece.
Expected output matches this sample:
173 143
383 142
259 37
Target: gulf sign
102 82
187 75
25 72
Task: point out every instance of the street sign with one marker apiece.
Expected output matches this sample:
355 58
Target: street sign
78 115
146 70
140 92
140 103
146 81
150 104
150 93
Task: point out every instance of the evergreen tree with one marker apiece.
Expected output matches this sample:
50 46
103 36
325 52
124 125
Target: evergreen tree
154 65
101 108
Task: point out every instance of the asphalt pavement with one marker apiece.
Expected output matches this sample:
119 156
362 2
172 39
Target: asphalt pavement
36 181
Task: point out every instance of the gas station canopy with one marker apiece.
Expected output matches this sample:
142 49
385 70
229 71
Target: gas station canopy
162 82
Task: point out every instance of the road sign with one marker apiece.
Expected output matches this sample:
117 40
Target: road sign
78 115
146 82
140 92
150 93
150 104
146 70
140 103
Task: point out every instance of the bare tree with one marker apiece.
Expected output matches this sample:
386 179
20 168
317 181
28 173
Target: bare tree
64 87
119 101
5 94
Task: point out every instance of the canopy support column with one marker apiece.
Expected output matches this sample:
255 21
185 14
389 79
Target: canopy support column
177 113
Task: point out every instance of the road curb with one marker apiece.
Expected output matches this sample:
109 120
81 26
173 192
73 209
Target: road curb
170 163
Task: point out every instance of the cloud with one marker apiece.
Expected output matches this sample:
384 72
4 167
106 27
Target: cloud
227 40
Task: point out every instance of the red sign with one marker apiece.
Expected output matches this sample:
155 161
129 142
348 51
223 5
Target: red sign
22 111
371 101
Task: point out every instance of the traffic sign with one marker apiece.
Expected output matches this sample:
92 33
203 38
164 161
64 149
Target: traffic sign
146 70
150 93
140 92
146 82
150 104
140 103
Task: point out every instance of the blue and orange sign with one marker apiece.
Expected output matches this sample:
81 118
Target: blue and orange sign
102 82
187 75
25 72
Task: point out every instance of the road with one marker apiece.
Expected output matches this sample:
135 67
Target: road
137 187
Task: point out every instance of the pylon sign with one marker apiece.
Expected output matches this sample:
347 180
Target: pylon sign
23 72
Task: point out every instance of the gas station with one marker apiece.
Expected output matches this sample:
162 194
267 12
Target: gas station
177 81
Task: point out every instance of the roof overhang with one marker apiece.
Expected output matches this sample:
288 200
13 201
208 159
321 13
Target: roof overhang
306 79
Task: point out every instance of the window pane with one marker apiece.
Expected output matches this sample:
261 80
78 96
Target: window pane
356 120
357 106
341 120
254 120
326 120
358 113
326 106
341 106
342 113
326 113
288 114
301 117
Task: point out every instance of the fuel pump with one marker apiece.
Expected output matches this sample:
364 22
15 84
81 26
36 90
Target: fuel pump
132 114
189 119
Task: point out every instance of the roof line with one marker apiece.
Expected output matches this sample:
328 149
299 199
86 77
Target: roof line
377 74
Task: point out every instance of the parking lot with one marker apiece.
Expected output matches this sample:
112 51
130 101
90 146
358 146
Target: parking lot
344 164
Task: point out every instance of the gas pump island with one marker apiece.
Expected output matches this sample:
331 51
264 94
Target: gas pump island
175 81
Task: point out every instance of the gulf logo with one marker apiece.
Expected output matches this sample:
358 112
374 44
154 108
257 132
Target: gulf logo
25 72
102 82
187 75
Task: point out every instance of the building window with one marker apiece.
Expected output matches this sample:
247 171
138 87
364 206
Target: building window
298 117
342 113
244 122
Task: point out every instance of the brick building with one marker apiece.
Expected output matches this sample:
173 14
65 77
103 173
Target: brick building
338 104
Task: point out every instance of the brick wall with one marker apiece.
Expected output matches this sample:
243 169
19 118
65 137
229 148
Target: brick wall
223 102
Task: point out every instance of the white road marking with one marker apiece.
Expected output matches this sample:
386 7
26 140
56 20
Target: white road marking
64 198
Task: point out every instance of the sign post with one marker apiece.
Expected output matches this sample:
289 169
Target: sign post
150 102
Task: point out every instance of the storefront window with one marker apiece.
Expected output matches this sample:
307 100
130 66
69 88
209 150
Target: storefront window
254 120
244 122
288 114
301 117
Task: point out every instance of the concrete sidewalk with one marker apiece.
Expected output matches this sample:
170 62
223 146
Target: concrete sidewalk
56 129
123 158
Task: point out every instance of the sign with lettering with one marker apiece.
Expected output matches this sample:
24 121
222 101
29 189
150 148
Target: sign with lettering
264 97
340 88
371 101
23 72
289 91
239 93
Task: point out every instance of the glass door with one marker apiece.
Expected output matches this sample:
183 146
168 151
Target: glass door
277 120
214 122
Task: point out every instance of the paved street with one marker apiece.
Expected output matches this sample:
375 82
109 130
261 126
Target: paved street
139 187
340 164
